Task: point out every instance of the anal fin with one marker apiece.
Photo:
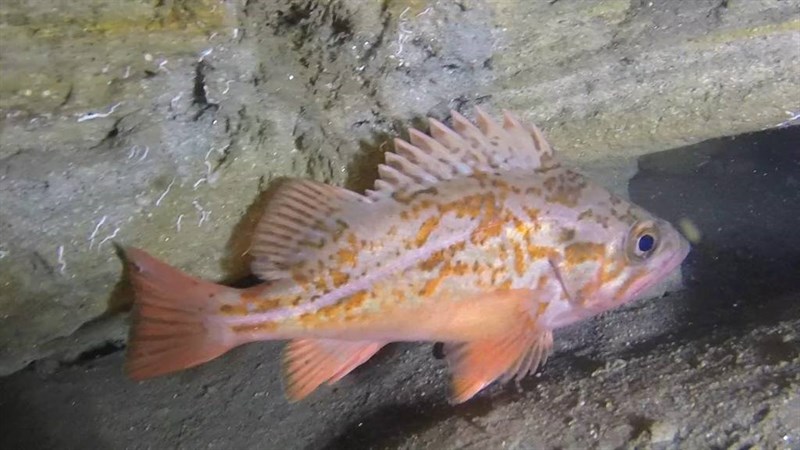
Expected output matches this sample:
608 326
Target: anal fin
477 364
310 362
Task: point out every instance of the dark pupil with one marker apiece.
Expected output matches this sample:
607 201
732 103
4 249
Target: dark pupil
646 243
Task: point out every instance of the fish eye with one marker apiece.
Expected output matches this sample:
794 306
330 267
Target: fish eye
646 243
642 241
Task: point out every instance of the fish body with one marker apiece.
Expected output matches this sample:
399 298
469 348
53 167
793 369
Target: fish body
475 236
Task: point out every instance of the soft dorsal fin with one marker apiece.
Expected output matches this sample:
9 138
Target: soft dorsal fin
465 149
294 223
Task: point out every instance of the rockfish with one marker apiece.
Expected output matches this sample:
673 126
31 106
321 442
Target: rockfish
475 236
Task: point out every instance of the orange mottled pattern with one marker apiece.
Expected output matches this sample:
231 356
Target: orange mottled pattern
514 231
506 249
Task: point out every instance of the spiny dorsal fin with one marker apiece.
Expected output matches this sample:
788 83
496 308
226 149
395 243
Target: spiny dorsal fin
293 224
460 151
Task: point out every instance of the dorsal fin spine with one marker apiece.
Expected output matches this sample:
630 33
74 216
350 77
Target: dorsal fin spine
430 146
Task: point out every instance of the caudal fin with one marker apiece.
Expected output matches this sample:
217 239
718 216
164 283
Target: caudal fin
175 319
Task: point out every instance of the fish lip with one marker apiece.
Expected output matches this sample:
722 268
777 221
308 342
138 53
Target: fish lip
671 264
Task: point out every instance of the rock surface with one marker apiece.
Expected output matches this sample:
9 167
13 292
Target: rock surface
160 126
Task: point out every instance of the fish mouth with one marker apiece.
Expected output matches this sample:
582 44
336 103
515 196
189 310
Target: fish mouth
671 264
677 258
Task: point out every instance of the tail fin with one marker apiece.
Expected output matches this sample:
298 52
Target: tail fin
175 319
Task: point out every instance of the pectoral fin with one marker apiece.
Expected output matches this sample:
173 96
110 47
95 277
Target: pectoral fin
477 364
310 362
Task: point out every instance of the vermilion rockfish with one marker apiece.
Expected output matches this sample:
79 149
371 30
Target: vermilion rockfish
475 236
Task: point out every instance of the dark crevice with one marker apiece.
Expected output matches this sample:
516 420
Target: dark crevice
718 9
342 28
291 18
199 94
199 88
113 134
640 425
104 349
68 96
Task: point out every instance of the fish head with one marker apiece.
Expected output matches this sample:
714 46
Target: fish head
612 250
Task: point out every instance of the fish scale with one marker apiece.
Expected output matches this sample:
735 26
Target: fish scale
474 235
512 249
